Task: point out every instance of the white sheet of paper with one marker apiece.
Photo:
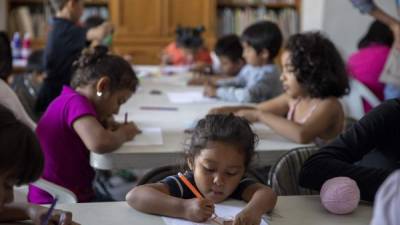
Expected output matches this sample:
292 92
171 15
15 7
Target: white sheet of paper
188 97
149 136
174 69
224 212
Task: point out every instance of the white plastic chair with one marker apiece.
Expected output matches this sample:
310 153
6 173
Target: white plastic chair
63 195
353 102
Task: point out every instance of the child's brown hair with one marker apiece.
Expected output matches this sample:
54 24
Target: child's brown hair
20 153
94 63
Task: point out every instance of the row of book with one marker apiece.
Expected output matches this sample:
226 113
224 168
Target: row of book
35 20
28 20
235 20
258 1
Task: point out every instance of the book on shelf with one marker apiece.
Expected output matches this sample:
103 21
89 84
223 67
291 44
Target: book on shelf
235 20
24 19
36 19
243 2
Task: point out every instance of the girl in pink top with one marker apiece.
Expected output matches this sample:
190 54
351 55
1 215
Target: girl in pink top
367 63
77 123
313 77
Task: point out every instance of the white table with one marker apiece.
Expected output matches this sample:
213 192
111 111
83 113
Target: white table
173 123
290 210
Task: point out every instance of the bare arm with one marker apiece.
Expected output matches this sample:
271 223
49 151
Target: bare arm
260 198
25 211
14 212
100 140
155 199
98 33
278 105
322 119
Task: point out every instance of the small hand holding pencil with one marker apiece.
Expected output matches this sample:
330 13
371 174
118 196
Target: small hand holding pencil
130 128
49 216
200 209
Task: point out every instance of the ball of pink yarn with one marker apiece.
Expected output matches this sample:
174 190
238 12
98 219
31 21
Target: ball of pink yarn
340 195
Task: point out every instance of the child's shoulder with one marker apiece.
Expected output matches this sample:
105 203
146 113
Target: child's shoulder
70 99
331 104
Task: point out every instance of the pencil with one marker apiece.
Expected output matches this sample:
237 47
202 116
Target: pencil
126 118
49 212
190 185
194 191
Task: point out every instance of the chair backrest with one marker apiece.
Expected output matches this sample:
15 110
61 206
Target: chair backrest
159 173
353 102
63 195
284 175
27 92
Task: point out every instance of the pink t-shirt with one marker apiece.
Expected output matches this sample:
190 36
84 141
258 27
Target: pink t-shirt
66 156
366 66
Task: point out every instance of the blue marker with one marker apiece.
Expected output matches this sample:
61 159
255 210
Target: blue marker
48 215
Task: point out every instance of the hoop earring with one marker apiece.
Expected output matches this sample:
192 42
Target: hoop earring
99 93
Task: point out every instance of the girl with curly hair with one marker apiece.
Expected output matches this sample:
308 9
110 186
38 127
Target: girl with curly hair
77 122
313 78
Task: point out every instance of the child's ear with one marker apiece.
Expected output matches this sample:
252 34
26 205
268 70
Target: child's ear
265 54
103 84
190 164
241 62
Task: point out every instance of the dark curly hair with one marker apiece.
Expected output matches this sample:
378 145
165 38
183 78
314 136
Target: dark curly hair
318 66
378 33
224 128
20 153
264 35
96 62
189 37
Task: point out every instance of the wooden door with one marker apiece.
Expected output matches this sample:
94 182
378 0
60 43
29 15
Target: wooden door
193 13
137 18
145 27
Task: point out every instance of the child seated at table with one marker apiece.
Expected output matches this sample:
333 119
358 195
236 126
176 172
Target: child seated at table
313 77
21 162
259 79
188 50
219 152
229 52
76 123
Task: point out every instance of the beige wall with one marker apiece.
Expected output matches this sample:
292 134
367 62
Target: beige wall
340 21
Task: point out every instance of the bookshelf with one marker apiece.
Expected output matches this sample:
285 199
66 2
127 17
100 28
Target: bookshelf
235 15
33 16
256 4
145 27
